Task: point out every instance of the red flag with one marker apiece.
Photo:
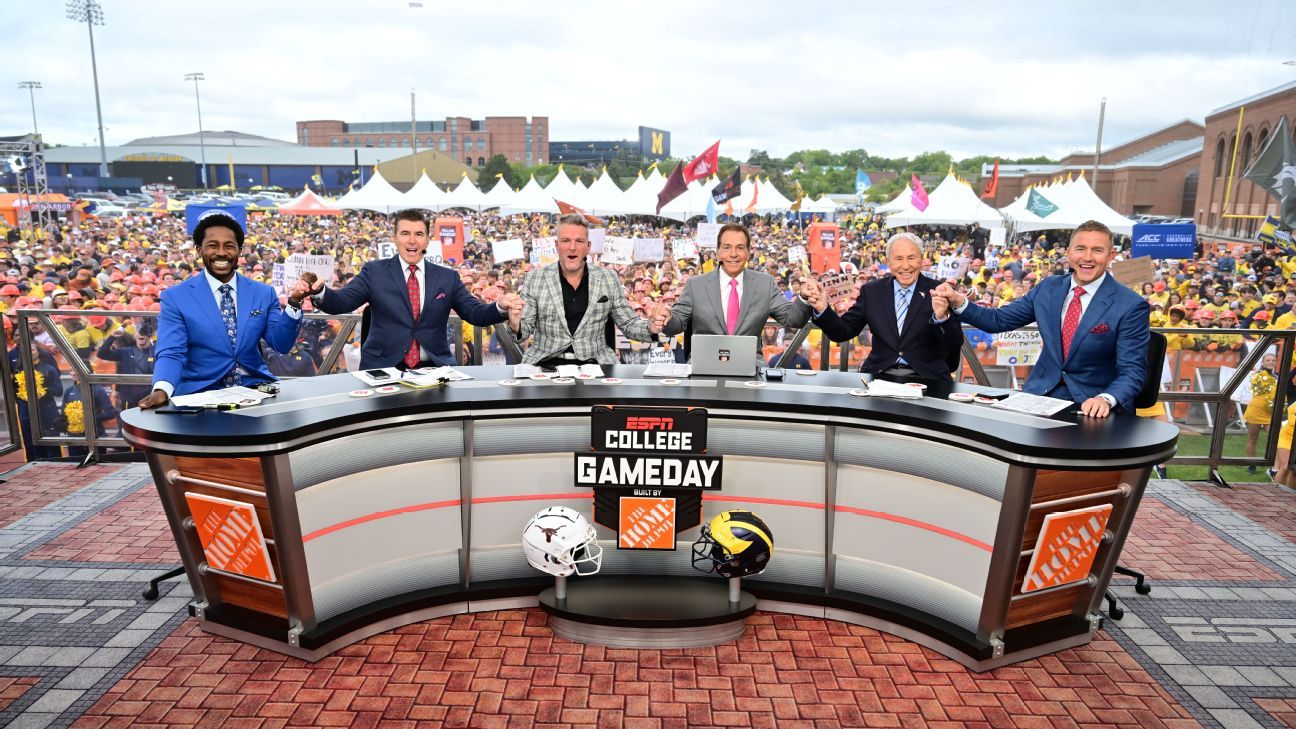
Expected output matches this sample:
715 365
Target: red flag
675 186
993 187
751 206
569 209
919 195
703 165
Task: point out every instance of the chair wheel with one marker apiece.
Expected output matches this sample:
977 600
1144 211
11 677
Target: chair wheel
150 593
1116 613
1143 589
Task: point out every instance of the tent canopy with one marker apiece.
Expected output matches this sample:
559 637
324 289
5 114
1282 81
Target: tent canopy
1076 202
308 203
953 202
377 195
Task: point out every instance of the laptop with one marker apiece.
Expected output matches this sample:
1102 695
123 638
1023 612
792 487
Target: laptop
723 355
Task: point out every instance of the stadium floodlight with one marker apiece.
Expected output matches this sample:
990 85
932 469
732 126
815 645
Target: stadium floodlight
31 87
202 146
90 12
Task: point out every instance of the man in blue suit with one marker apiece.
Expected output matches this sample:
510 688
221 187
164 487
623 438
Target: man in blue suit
402 333
1095 329
211 326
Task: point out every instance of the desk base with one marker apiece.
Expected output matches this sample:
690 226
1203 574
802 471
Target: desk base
648 612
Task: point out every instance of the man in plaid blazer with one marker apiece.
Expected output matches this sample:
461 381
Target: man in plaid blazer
568 303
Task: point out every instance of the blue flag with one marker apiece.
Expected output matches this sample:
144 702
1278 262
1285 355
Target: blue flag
710 211
862 181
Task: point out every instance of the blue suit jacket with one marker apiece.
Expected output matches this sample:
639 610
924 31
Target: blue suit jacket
382 285
1108 351
193 350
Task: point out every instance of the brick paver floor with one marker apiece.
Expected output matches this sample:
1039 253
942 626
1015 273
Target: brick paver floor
1166 545
12 688
507 669
33 488
1267 504
134 530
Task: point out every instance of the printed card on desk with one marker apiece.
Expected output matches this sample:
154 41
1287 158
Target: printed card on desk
1033 404
668 369
225 396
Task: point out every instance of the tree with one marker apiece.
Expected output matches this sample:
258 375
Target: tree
497 165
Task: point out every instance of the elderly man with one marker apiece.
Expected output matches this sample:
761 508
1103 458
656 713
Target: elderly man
732 299
915 339
1095 329
569 303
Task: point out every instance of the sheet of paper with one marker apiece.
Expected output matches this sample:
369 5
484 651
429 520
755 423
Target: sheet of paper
393 375
1033 404
883 388
523 371
568 370
228 395
592 370
507 250
668 369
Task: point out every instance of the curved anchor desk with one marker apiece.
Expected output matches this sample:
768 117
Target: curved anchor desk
917 518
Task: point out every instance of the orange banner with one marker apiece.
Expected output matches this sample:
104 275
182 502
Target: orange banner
1066 547
646 523
231 536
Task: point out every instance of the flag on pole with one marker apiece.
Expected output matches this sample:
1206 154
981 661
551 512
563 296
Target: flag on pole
569 209
800 195
919 195
711 210
703 165
317 179
993 186
1275 171
674 187
862 182
751 206
729 188
1040 205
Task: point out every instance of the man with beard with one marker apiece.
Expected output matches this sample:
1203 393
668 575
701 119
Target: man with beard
211 326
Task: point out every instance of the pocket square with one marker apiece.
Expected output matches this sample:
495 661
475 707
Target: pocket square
1100 329
255 312
440 296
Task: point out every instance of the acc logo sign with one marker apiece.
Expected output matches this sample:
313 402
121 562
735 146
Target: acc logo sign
657 142
1065 550
1149 238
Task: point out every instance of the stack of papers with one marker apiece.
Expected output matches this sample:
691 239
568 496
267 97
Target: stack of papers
883 388
668 369
432 376
523 371
1033 404
590 370
227 396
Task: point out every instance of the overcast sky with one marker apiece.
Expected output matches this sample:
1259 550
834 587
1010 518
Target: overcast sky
1008 78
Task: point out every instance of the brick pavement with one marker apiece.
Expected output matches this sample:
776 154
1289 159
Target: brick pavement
507 669
1165 545
12 688
134 530
1268 504
30 488
1282 710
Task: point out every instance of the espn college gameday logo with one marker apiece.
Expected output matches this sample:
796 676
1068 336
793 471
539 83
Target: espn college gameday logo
1065 550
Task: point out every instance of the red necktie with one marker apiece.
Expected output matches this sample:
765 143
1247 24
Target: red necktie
731 316
1071 320
412 357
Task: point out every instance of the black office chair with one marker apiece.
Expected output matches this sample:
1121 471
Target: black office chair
1146 398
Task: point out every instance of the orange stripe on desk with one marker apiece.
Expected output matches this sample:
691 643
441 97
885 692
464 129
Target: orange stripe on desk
762 500
915 523
378 515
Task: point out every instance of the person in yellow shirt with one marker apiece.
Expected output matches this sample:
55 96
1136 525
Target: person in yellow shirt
1259 412
1179 320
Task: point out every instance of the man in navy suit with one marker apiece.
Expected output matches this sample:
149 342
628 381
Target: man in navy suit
211 326
409 302
914 337
1095 329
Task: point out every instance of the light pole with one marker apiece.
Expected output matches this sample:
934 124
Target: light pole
90 12
202 146
31 86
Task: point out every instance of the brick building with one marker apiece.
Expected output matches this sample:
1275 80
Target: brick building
1260 114
473 141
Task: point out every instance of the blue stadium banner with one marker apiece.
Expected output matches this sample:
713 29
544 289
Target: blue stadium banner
196 212
654 143
1164 240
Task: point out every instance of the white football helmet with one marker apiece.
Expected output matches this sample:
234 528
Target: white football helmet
560 541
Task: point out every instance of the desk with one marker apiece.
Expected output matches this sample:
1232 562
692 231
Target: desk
914 517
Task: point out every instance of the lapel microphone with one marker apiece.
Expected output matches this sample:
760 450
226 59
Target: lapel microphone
602 299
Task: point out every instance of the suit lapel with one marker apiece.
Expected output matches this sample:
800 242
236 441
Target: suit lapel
886 299
1102 300
592 294
206 302
916 304
747 305
429 276
243 304
711 291
1050 314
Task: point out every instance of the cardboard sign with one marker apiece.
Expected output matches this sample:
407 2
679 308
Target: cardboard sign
1021 347
618 251
649 249
386 249
797 254
544 251
1134 272
684 249
707 235
231 536
646 523
507 250
277 278
597 237
998 236
1065 550
299 263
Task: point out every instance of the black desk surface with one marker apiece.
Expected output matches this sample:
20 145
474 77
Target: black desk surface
326 411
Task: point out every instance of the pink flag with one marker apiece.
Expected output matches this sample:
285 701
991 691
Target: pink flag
919 195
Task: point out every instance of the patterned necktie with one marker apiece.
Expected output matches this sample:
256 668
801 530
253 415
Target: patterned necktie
230 316
902 308
412 356
1071 320
731 314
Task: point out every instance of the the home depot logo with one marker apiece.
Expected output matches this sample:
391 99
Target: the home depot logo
646 523
1064 552
231 536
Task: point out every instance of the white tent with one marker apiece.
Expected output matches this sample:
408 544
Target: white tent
530 199
465 195
499 196
377 195
425 194
953 202
771 200
562 188
1076 203
641 197
823 206
692 202
898 203
605 197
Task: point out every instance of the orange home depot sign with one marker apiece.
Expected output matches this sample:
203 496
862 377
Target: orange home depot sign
1066 547
647 523
231 536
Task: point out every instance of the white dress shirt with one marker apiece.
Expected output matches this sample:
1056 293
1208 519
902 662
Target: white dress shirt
724 293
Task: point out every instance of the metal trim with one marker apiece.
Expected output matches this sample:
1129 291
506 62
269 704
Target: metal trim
204 568
276 471
174 476
1122 491
830 502
177 513
1013 510
465 503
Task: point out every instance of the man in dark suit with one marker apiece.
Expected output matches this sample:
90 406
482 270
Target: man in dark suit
211 326
731 299
410 300
1095 329
915 339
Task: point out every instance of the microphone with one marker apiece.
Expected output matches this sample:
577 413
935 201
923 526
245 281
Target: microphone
602 299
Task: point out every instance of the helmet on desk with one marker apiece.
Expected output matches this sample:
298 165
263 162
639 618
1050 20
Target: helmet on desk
734 543
560 541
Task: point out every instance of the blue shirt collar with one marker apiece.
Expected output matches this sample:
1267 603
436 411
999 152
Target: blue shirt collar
895 286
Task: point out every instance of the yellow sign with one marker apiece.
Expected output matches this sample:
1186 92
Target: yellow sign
658 139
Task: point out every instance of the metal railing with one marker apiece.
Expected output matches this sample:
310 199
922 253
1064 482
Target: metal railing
1206 409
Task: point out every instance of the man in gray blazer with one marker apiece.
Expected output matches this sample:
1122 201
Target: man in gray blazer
708 301
568 304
